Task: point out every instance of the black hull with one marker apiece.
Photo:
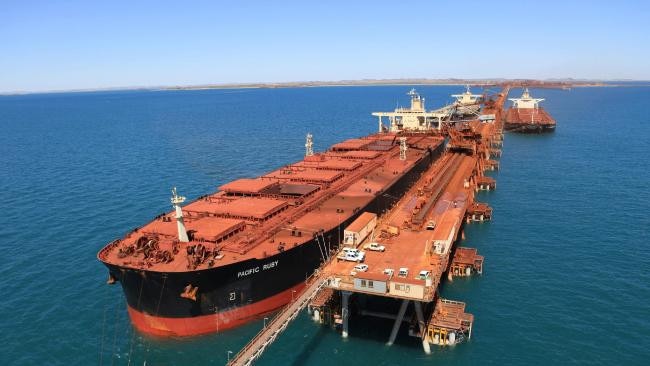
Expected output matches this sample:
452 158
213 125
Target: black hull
528 128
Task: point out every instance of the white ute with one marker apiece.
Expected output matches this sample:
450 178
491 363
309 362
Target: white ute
352 255
361 267
374 247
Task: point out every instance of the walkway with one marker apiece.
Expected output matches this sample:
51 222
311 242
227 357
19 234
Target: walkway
266 336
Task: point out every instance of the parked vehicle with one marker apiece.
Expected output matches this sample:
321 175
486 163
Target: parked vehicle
375 247
403 272
352 256
361 267
361 256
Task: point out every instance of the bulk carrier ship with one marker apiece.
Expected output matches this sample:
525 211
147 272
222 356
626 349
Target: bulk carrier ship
526 116
232 256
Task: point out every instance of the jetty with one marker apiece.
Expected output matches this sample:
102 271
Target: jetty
405 253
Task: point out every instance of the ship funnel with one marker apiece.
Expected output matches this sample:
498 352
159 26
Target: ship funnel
309 145
176 202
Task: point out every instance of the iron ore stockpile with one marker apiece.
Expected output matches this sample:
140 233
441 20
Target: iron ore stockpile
401 254
526 116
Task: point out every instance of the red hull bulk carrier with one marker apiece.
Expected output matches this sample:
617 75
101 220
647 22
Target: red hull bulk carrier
526 116
232 256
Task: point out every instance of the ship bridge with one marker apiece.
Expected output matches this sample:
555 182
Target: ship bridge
526 101
467 103
467 97
415 118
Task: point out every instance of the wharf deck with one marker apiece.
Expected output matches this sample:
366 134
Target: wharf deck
419 232
414 260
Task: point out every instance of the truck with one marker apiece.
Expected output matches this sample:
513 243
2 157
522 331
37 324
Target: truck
359 229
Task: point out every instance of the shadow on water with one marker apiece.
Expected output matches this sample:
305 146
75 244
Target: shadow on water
308 349
363 330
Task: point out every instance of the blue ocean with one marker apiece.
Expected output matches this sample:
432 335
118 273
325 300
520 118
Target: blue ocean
567 255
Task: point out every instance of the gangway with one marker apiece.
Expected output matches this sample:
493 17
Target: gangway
254 349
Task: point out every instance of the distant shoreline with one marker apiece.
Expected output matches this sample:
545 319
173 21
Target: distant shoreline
387 82
534 83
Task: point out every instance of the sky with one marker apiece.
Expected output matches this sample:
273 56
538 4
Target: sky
80 44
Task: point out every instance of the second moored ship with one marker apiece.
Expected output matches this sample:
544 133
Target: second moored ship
526 116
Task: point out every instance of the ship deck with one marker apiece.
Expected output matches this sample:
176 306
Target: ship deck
529 116
259 217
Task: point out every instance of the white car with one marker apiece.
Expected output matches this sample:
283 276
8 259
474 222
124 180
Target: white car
361 256
375 247
354 256
424 275
361 267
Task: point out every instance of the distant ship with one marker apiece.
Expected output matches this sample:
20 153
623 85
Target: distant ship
234 255
467 103
526 116
415 118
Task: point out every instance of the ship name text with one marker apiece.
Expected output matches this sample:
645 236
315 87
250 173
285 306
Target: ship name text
251 271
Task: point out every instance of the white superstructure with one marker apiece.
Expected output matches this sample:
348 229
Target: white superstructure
467 103
415 118
526 101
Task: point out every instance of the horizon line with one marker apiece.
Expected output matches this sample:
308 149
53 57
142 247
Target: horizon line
317 83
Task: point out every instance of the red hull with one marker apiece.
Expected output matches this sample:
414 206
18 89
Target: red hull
183 327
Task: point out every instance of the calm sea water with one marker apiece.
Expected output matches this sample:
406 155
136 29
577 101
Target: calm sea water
567 273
